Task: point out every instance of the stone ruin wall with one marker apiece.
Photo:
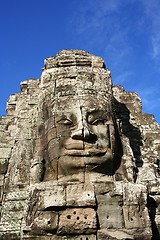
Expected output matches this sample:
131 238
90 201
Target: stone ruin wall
123 205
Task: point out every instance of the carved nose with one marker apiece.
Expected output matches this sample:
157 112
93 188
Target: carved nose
80 134
85 135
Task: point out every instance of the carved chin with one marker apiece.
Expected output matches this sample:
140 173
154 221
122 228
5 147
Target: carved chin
99 159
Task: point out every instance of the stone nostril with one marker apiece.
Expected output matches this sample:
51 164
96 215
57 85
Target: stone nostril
78 135
84 135
91 138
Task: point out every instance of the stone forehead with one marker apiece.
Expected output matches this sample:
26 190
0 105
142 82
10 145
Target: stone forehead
84 104
73 58
73 72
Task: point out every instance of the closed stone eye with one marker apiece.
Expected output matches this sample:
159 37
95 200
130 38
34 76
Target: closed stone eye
98 122
65 121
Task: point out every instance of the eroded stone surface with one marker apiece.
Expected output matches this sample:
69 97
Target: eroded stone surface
78 158
77 221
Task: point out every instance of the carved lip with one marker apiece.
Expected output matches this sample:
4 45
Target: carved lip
84 149
86 152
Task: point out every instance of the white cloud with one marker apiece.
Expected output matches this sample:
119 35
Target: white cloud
156 46
95 17
106 25
152 12
122 77
101 26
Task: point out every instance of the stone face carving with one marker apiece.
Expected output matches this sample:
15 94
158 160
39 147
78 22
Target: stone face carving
78 158
83 138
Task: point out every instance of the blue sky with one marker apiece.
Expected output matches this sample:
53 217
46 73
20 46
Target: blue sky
126 33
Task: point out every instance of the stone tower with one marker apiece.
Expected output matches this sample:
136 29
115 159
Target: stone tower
78 158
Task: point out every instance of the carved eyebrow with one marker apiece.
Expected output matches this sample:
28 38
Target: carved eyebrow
97 114
65 116
94 111
97 111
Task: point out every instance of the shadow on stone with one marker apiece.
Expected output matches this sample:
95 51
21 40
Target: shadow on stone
152 205
130 131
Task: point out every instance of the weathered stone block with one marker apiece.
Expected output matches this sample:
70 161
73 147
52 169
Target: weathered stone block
110 211
14 205
3 126
136 217
3 166
134 194
10 235
77 221
44 222
80 195
2 179
107 234
96 177
17 195
10 223
77 177
22 131
110 216
103 187
5 152
52 197
55 237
